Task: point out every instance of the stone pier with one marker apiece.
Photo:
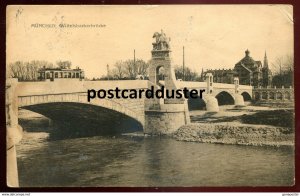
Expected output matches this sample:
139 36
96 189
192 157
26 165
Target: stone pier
211 102
13 132
238 98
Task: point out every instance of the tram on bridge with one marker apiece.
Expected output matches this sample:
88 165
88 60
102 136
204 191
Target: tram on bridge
60 73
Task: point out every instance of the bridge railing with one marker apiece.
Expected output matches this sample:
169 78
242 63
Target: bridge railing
272 88
278 94
39 99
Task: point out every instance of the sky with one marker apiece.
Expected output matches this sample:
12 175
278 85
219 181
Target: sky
214 36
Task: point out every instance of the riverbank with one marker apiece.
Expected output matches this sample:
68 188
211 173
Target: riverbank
250 125
233 133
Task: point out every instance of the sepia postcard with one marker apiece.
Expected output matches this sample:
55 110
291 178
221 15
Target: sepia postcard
150 96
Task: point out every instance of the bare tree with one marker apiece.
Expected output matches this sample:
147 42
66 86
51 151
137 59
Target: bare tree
130 69
283 64
118 71
142 67
26 71
189 75
138 67
283 69
15 69
64 64
290 62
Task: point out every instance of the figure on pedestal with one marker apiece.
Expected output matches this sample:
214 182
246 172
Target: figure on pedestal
161 41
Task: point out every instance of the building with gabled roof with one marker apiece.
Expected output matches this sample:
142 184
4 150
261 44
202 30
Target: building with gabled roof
251 72
248 70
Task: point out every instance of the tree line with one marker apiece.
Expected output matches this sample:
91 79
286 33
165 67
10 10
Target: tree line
28 71
130 70
282 68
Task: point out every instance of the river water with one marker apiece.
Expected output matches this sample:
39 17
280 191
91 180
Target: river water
101 161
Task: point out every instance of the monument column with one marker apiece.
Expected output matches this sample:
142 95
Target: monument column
163 116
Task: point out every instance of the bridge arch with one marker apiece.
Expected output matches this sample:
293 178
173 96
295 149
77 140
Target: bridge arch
272 95
264 95
160 73
246 96
225 98
287 95
196 104
256 95
279 95
98 114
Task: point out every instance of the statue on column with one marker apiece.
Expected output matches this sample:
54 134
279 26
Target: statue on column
161 41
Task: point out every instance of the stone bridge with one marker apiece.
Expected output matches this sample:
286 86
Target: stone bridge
217 94
66 102
221 88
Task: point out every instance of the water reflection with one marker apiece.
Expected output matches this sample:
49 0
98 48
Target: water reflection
125 161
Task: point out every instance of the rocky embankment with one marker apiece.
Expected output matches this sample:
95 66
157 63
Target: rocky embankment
231 133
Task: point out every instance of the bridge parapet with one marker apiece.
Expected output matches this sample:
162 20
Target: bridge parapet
60 87
231 86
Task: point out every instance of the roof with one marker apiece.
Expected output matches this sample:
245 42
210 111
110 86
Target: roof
58 69
247 60
259 63
249 63
249 70
221 71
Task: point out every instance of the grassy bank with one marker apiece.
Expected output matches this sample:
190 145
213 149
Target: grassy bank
250 125
278 118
